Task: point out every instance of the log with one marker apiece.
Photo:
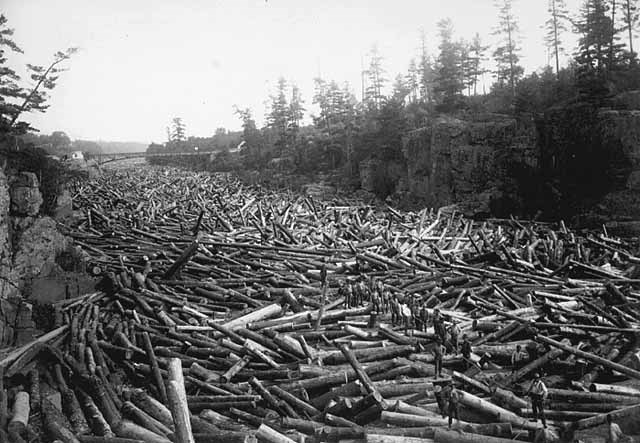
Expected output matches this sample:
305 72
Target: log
260 314
456 436
591 357
178 403
614 389
380 438
270 435
501 414
128 429
433 420
597 420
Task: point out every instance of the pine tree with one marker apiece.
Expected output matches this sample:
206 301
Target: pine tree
401 89
412 81
178 130
427 73
555 26
630 17
250 135
449 75
466 64
295 115
15 99
278 116
376 79
598 54
477 58
506 55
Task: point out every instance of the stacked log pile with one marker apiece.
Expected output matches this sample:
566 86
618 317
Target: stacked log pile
221 318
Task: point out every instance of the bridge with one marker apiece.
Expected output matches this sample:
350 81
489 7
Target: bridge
111 157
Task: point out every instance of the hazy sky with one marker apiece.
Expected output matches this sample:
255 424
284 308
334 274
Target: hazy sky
143 62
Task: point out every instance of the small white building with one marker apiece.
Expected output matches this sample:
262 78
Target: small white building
74 156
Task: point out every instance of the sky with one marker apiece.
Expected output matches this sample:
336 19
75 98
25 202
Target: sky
143 62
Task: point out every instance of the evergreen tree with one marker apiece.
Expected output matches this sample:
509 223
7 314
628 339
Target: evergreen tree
555 26
250 135
630 18
278 116
15 99
506 55
449 74
401 89
295 114
412 80
178 130
477 58
376 79
466 64
598 54
427 73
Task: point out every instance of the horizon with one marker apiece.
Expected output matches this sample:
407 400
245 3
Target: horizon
144 63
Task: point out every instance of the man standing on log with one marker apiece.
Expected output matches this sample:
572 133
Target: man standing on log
465 348
416 320
517 359
438 350
538 394
438 325
406 317
375 300
424 316
386 300
395 310
438 393
454 331
615 434
342 292
453 408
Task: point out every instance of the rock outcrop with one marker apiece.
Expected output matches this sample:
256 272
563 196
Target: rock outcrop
470 163
26 198
591 156
37 263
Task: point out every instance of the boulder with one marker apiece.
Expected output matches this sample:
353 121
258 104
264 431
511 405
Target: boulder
26 197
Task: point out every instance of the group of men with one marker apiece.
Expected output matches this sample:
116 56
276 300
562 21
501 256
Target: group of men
364 291
411 313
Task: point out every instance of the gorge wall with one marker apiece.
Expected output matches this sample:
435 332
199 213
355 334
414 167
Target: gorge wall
581 159
477 165
38 264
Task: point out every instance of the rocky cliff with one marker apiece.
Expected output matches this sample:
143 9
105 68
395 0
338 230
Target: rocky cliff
590 156
34 265
477 164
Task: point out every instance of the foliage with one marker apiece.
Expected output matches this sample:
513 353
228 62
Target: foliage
556 26
449 81
506 55
51 174
178 131
16 99
376 80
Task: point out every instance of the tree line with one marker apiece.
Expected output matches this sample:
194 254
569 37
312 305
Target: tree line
345 131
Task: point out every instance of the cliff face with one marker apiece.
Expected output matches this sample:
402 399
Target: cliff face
591 157
32 252
475 164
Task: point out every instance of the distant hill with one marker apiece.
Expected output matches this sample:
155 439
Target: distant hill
108 147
